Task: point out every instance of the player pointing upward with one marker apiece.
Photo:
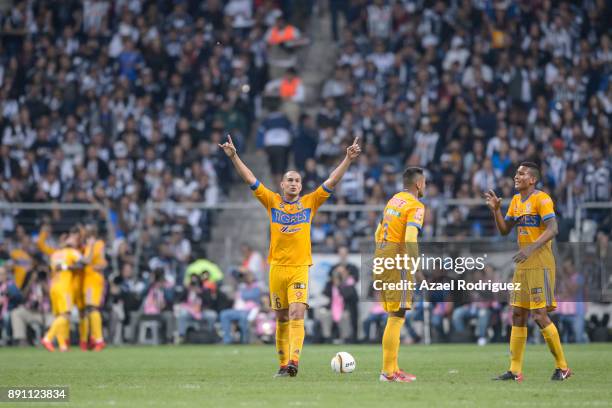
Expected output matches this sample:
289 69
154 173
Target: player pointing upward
290 248
532 211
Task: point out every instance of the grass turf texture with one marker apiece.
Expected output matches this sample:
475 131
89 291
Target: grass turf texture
236 376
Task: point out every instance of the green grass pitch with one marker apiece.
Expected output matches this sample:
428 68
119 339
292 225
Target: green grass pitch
241 376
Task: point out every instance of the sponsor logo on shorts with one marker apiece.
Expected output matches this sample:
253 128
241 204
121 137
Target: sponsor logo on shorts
299 285
535 291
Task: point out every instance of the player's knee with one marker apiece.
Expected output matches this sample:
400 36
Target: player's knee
518 317
282 315
541 318
297 311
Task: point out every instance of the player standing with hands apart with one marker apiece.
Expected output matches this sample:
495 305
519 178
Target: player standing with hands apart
290 248
532 212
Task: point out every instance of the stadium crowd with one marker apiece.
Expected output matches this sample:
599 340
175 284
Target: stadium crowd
123 102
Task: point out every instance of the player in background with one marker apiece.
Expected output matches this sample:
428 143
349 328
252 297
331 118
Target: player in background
290 248
93 288
397 234
63 263
532 212
77 276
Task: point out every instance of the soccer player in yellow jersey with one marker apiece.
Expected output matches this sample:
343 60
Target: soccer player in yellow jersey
397 234
290 249
93 287
532 212
63 263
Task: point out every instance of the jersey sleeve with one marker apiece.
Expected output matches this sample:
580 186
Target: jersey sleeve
98 254
415 216
510 215
318 197
263 194
41 242
545 207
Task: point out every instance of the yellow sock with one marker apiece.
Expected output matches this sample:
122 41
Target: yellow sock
391 343
551 335
296 338
50 335
282 342
95 322
83 329
518 339
63 332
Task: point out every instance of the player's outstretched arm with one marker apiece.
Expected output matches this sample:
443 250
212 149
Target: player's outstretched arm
352 152
494 203
245 173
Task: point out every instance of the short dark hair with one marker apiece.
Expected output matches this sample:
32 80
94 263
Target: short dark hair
411 174
534 169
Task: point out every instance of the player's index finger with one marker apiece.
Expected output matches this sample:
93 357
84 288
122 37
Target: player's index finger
356 141
492 193
229 138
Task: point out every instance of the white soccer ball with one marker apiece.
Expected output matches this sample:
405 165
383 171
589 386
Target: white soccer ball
343 363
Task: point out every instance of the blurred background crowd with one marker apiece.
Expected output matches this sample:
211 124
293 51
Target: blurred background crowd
122 103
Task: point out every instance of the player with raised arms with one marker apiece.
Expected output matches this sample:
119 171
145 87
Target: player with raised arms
397 234
532 212
290 248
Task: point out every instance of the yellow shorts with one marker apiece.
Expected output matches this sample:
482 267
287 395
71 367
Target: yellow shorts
93 288
60 293
288 284
394 300
537 288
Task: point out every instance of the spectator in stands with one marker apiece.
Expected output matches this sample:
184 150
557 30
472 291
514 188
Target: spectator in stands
264 324
376 316
479 306
340 313
246 306
571 305
290 89
156 304
275 135
10 297
196 307
35 311
253 262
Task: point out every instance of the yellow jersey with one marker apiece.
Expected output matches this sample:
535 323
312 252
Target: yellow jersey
22 263
96 254
63 259
529 215
290 224
402 210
